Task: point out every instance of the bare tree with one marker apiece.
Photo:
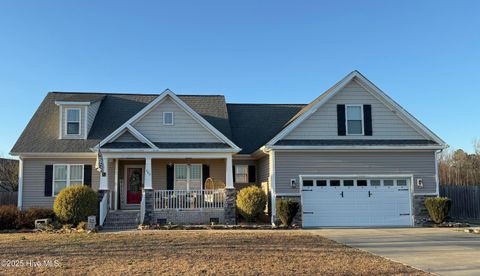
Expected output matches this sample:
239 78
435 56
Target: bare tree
8 175
460 168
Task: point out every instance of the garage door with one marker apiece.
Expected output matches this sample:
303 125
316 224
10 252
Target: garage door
356 202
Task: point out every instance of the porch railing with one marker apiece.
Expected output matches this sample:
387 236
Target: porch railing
189 199
103 208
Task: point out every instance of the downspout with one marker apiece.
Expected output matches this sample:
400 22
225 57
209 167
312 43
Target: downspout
271 180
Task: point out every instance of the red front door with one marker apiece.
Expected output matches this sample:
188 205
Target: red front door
134 185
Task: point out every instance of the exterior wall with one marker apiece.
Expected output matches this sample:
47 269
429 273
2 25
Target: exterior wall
126 137
34 179
323 123
92 112
185 128
63 118
263 169
289 165
189 217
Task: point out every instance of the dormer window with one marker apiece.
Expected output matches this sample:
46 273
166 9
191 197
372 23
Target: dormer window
354 119
167 118
73 121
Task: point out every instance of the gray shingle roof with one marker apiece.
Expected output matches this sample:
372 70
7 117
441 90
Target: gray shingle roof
253 125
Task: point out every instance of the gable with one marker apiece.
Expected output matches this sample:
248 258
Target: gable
185 128
322 124
126 137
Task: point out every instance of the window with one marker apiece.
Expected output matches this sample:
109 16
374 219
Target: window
307 183
322 183
348 183
401 182
387 182
361 183
375 183
334 183
66 175
73 121
241 174
168 118
188 177
354 115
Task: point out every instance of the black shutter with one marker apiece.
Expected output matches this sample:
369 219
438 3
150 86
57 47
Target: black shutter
341 124
48 180
233 172
367 119
169 177
252 177
205 174
87 175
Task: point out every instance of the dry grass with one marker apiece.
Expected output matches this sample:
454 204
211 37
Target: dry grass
193 252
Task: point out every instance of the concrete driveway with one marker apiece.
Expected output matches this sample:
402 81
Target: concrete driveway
438 250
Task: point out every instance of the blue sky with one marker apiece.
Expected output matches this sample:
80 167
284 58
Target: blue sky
424 54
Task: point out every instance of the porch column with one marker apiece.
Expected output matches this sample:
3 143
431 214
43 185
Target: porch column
104 175
148 174
229 176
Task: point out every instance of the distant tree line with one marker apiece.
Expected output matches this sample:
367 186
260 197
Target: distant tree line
8 175
460 168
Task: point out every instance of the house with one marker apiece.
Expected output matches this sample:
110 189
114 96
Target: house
352 157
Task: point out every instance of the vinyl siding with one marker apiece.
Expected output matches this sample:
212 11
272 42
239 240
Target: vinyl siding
126 137
92 112
64 122
289 165
263 169
34 179
323 123
185 128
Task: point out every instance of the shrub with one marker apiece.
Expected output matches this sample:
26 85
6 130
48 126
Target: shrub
9 217
27 218
286 210
251 202
74 204
438 208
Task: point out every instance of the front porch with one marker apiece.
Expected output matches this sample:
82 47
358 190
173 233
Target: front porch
169 189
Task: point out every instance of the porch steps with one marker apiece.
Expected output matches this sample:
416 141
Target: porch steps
121 220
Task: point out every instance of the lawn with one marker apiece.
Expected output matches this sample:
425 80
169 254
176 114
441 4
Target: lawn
191 252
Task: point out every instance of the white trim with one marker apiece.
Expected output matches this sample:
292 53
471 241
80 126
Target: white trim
125 168
180 103
20 183
437 180
272 185
85 133
148 185
65 132
163 117
172 155
68 184
206 150
60 121
71 103
116 184
229 172
346 120
369 87
140 137
341 176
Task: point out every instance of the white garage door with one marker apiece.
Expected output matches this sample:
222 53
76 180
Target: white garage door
355 202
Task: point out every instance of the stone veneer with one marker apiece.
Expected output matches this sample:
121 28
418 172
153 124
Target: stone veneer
149 212
230 206
189 216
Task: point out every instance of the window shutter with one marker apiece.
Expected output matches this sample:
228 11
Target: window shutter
233 171
341 123
48 180
170 177
252 177
87 175
205 174
367 119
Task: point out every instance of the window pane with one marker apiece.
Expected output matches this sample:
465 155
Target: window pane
73 115
375 182
354 127
401 182
347 183
58 186
73 128
387 182
241 169
76 173
168 118
354 113
195 172
361 183
334 183
241 174
181 172
308 183
60 173
322 183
